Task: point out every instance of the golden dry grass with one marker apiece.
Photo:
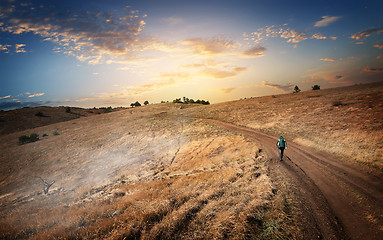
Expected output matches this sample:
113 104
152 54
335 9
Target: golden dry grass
344 121
139 174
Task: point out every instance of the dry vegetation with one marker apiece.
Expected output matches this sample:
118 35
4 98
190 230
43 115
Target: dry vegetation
344 121
26 118
140 173
153 173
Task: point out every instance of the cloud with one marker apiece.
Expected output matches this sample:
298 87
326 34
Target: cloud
89 36
369 69
379 57
214 46
20 48
227 90
255 51
283 88
378 46
5 47
366 33
5 97
327 59
221 74
293 36
326 20
137 90
217 73
318 36
281 31
36 95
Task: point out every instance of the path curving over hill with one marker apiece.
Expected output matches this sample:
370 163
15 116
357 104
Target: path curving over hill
337 199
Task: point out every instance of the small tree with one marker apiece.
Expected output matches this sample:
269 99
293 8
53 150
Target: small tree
296 89
315 87
146 102
137 104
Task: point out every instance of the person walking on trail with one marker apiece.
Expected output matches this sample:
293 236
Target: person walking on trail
281 145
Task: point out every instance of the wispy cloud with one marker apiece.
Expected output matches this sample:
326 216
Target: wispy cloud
378 46
281 31
89 36
379 57
5 97
366 33
214 46
255 51
20 48
222 73
5 48
227 90
283 88
318 36
36 95
327 59
326 20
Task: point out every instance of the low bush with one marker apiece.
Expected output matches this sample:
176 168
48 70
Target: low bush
28 139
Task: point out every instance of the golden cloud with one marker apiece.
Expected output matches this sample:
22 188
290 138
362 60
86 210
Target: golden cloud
227 90
327 59
254 52
213 46
36 95
326 20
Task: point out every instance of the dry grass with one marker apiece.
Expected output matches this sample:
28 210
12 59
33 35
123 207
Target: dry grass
343 121
137 174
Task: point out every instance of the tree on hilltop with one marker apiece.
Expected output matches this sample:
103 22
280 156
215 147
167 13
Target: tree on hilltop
296 89
315 87
146 102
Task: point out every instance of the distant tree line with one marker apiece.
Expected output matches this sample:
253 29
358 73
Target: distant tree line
187 101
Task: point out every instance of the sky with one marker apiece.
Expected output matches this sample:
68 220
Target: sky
114 52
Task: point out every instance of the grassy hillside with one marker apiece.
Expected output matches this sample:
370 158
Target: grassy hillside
343 121
138 173
155 172
26 118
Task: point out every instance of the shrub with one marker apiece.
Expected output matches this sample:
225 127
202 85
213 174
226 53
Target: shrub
56 133
146 102
315 87
337 103
67 110
45 135
28 139
39 114
296 89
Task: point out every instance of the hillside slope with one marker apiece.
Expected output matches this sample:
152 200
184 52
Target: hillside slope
166 171
343 121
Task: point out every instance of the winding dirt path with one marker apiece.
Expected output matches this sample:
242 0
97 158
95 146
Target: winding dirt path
337 199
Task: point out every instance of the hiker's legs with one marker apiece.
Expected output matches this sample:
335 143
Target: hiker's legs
281 153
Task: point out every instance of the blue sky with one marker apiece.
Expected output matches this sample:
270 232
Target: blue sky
111 53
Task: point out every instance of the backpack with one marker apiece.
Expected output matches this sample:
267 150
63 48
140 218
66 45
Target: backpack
281 142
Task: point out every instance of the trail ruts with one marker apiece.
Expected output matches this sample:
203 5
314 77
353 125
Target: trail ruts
337 199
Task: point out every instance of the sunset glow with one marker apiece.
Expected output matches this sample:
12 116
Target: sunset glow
111 53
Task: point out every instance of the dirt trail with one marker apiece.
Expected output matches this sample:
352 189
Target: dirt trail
337 199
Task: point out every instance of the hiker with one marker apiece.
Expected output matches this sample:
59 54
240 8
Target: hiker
281 145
